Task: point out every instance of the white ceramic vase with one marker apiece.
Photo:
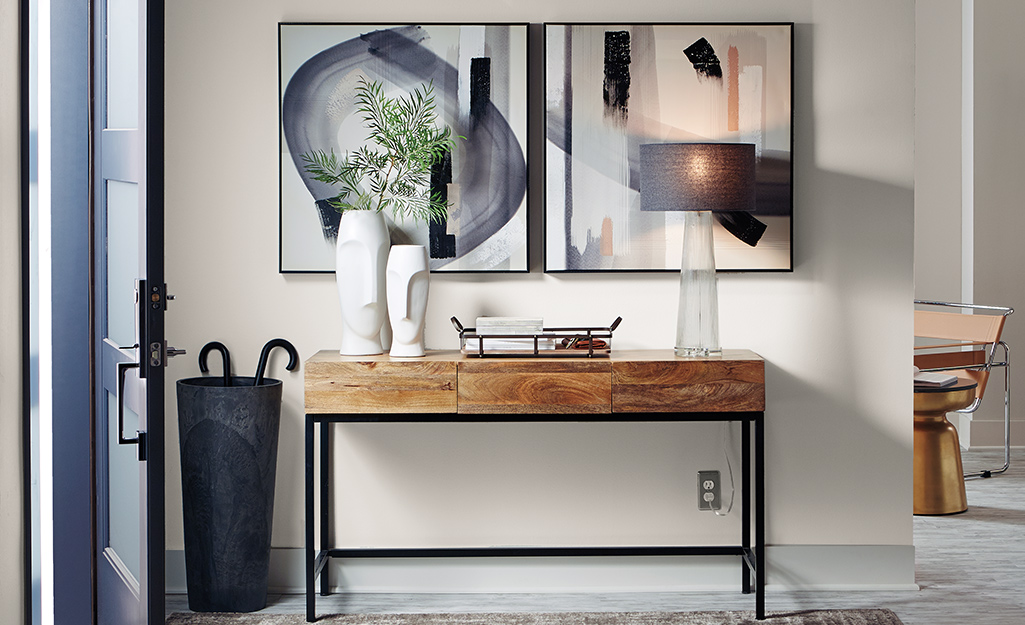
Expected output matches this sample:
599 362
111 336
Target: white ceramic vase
361 258
408 281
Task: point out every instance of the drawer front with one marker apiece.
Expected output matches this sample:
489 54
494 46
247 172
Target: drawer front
535 387
689 386
380 387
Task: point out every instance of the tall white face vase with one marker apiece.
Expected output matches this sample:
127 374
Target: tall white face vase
409 280
361 258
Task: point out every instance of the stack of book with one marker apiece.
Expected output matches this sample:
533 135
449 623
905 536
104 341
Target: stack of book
510 325
504 334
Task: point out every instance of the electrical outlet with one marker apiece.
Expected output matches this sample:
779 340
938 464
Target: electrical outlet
709 490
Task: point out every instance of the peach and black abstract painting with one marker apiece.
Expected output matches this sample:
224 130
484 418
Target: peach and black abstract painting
611 87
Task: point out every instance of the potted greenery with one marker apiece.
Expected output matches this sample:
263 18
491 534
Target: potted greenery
392 171
396 173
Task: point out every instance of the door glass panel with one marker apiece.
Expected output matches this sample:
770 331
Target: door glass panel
123 489
122 64
122 260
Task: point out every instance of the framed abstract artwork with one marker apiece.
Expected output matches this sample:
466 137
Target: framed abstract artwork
609 88
479 76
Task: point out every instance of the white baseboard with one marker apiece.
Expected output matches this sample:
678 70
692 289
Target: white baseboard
986 433
791 567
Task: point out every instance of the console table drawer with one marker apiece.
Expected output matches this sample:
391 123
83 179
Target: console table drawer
540 386
420 386
689 385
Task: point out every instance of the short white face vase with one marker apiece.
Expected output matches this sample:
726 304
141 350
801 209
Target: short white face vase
361 258
408 285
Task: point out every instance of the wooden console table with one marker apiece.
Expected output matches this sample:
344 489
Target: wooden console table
445 387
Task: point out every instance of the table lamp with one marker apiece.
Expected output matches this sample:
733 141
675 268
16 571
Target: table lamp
699 179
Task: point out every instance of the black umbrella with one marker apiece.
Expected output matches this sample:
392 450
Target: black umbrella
293 357
212 345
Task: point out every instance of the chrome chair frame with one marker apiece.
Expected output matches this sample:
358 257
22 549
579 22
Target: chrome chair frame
988 366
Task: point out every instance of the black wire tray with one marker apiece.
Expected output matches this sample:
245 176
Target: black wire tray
582 342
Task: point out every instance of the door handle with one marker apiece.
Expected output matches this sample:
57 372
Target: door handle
122 369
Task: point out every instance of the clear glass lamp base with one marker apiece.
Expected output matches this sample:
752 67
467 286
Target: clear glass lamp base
691 352
697 324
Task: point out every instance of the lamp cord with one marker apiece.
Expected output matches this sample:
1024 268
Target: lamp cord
729 466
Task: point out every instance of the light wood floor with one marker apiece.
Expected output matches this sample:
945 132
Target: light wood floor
970 567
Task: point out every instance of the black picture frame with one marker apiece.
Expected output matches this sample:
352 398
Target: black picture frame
611 87
485 102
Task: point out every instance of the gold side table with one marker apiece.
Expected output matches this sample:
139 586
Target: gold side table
939 477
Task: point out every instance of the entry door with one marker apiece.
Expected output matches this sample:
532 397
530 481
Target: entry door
129 301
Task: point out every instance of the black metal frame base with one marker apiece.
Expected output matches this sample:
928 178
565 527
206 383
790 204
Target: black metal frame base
752 519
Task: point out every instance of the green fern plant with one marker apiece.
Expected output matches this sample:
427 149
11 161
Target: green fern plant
396 173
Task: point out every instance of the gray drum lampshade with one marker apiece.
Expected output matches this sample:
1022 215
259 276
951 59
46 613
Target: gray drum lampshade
698 177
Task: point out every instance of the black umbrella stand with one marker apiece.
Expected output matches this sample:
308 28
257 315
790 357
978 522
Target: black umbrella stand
228 433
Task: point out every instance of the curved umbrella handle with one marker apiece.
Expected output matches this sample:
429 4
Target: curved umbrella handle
209 347
293 358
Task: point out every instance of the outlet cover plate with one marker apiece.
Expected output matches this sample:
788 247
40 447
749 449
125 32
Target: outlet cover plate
709 482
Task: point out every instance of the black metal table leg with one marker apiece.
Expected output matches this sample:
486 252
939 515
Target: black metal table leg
325 544
311 600
751 549
760 564
745 503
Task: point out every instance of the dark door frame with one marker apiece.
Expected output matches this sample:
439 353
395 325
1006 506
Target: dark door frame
26 176
155 312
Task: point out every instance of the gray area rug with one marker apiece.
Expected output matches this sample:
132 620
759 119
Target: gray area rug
804 617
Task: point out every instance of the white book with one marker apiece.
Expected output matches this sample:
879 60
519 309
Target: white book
934 378
509 325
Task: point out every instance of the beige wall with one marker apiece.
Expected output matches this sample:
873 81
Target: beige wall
993 260
836 333
999 218
938 150
11 531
